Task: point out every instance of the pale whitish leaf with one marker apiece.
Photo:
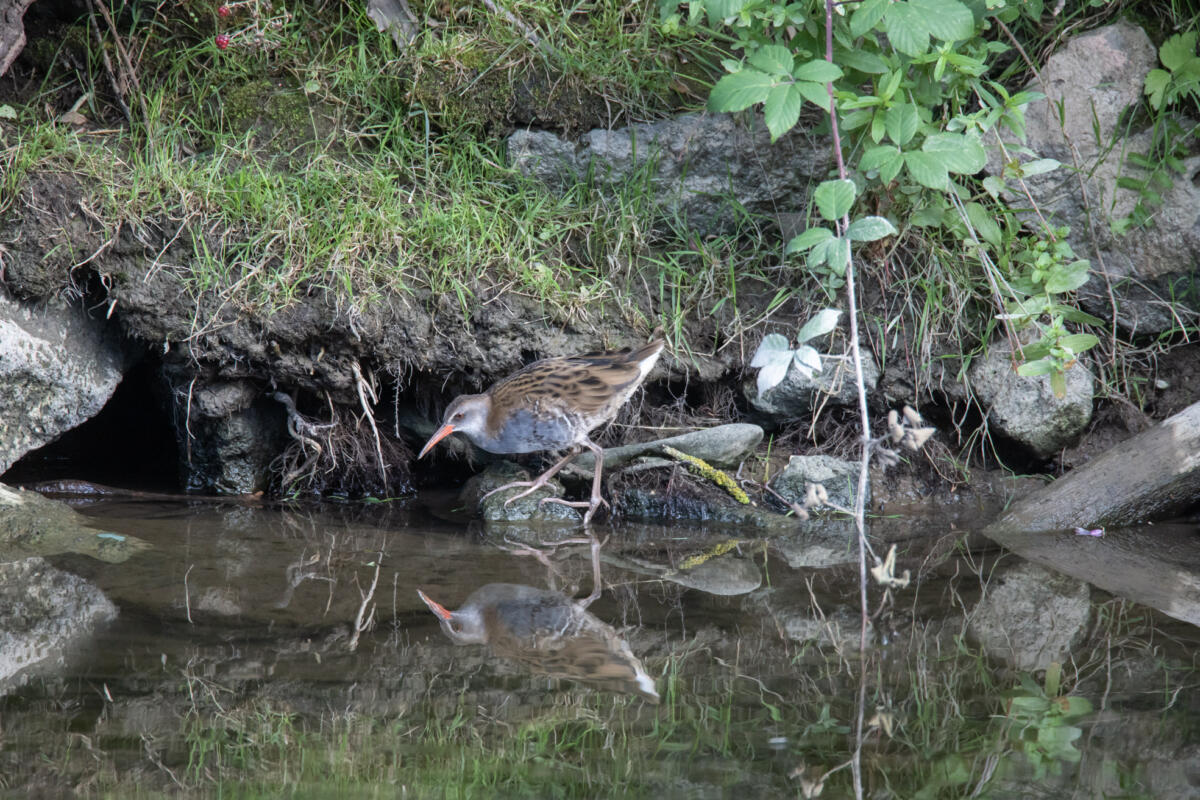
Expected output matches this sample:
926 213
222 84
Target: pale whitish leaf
740 90
994 186
1032 369
1067 277
835 198
782 109
808 239
824 322
771 346
807 360
869 229
1078 342
7 112
773 59
770 375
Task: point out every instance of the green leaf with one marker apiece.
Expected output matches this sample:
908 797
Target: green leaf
905 29
987 227
867 16
1157 81
901 122
824 322
1058 385
839 255
818 71
773 59
994 186
876 157
1078 342
835 198
815 93
869 229
782 109
960 153
1032 369
861 60
927 170
723 9
1039 167
1177 49
948 20
7 112
877 127
808 239
1072 314
740 90
1067 277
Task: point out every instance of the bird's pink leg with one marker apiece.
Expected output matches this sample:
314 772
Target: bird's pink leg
537 483
596 500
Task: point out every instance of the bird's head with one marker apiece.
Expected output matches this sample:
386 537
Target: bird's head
464 626
466 414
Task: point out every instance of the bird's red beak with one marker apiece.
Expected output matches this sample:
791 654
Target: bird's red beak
442 433
435 607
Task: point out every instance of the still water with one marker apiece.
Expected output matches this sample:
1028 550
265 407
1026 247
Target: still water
284 651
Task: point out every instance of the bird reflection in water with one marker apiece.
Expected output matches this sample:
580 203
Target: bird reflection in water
549 633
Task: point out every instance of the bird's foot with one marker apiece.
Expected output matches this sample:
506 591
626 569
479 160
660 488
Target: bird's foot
591 505
529 486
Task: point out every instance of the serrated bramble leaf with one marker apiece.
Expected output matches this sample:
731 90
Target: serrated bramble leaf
770 348
901 122
835 198
808 239
861 60
740 90
824 322
927 170
815 93
867 16
869 229
876 157
807 360
839 255
985 226
960 153
948 20
819 254
782 109
818 71
906 30
723 9
773 59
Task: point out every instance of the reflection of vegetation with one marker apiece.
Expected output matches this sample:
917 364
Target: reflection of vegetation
1039 721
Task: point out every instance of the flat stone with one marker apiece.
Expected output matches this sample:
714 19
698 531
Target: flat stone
723 446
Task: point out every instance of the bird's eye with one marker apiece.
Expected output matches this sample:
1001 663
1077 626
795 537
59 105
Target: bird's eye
457 416
456 627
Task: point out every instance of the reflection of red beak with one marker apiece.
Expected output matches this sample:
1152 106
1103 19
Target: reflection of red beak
442 433
435 607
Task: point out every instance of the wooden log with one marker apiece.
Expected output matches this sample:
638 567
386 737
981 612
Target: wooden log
1151 476
12 31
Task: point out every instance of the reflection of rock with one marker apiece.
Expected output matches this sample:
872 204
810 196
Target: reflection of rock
58 368
43 612
840 629
549 633
34 525
526 509
725 575
818 543
1030 616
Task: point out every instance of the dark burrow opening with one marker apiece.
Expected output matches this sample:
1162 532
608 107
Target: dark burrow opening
130 444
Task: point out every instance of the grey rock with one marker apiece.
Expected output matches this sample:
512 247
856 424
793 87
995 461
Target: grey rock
723 446
43 613
58 367
1094 79
704 168
222 398
527 509
1026 408
840 479
232 454
705 505
32 525
1031 616
797 394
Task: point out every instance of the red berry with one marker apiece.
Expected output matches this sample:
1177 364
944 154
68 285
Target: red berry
224 11
222 41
